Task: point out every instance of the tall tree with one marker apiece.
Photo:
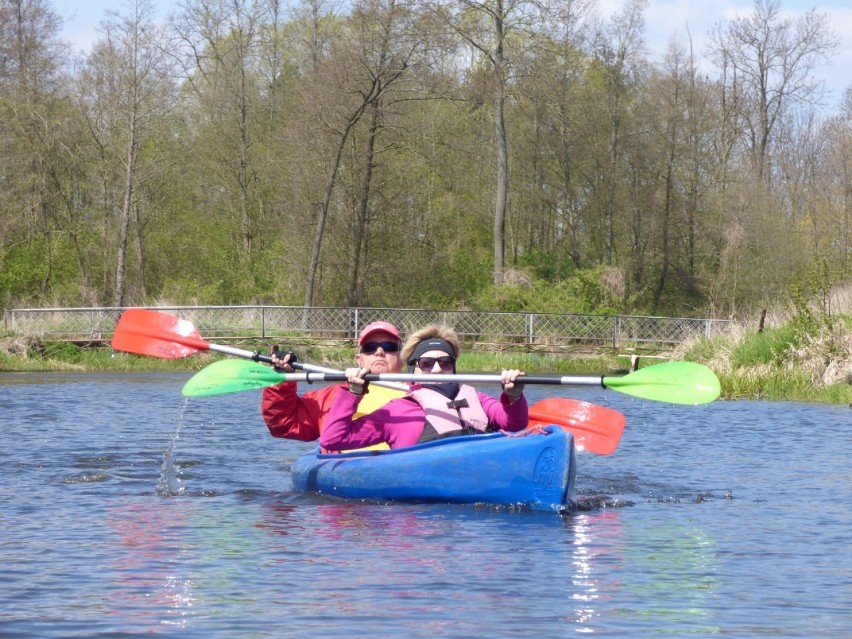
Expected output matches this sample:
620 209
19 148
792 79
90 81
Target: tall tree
619 52
126 85
769 62
386 41
220 44
33 160
497 30
349 79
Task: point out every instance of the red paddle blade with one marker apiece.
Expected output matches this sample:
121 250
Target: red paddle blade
156 334
596 429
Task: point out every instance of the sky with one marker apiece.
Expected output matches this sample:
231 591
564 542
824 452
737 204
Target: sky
664 19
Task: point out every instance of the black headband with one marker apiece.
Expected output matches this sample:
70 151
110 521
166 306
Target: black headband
432 344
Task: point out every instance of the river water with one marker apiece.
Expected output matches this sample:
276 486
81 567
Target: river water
128 510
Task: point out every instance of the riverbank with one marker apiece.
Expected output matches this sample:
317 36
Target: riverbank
775 364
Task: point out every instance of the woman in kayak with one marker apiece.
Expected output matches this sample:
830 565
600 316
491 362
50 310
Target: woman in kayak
429 410
303 418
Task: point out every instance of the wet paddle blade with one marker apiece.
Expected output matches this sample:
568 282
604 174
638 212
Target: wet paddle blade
231 376
671 382
156 334
596 429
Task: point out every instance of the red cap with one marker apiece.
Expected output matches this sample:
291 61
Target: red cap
376 327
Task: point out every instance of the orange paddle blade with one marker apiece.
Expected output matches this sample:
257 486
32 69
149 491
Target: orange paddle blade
156 334
596 429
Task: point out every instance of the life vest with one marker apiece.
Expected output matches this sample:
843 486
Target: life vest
446 417
375 399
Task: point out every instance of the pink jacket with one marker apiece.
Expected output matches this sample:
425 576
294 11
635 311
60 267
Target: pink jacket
400 422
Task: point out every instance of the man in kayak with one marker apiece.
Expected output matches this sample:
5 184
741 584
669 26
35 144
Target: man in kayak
429 410
293 417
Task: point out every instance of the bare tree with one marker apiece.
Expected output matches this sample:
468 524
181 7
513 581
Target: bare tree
386 42
220 42
768 63
488 26
678 118
618 51
126 87
354 78
31 79
835 189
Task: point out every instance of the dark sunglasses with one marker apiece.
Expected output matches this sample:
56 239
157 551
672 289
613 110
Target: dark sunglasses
388 347
426 364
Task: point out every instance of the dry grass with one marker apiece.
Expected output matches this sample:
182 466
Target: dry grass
750 363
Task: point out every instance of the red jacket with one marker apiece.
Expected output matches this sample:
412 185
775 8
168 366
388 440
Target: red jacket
288 415
303 418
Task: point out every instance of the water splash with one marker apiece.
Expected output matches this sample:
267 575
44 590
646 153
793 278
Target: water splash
170 483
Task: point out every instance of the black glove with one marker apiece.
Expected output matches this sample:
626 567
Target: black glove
281 355
516 390
359 389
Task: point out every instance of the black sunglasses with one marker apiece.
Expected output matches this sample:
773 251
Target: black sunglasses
371 347
426 364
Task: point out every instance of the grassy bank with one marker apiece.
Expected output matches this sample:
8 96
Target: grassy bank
790 361
59 356
781 364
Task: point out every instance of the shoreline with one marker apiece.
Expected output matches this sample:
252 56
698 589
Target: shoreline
767 383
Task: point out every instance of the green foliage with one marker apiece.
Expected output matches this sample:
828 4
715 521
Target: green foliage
234 150
37 274
702 350
811 308
434 283
810 298
65 351
804 318
21 271
477 361
772 387
550 266
584 292
772 346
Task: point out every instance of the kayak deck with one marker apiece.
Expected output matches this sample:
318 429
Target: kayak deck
536 469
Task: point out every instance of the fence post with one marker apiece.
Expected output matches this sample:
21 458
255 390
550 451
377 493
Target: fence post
530 329
262 322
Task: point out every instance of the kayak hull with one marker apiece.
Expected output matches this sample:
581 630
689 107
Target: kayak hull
535 470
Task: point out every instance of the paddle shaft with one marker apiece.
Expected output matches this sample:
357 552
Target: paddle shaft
483 378
239 352
330 374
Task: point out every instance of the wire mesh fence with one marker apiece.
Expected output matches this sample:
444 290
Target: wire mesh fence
533 331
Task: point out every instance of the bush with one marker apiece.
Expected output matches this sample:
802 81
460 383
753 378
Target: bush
772 346
585 292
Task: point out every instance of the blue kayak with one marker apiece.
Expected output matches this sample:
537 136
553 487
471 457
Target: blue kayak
535 470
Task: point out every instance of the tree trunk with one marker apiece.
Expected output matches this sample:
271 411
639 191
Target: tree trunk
124 222
502 149
322 214
360 230
140 254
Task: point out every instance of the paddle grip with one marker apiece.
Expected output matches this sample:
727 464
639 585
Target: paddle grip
281 355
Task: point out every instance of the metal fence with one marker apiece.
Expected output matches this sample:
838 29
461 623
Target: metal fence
535 331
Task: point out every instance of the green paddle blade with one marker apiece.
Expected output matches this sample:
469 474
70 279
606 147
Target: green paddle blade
231 376
672 382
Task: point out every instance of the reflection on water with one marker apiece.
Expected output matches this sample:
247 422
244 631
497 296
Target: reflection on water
128 510
677 562
150 588
596 538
